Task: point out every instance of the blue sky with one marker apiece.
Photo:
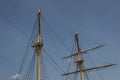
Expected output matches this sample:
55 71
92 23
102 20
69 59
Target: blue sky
96 21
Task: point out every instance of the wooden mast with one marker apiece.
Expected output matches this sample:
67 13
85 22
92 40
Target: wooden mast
38 46
80 61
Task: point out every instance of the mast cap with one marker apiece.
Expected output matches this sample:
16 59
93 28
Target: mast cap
39 10
76 33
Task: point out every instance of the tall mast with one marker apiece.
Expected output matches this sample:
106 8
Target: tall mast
38 46
80 60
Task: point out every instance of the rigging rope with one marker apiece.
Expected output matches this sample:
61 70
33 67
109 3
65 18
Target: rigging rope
43 69
54 61
25 54
55 33
29 74
13 25
92 62
56 64
87 74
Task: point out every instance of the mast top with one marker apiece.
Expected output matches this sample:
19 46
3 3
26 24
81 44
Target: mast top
38 16
39 12
76 36
76 33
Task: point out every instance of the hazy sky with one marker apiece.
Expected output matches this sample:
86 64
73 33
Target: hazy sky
96 21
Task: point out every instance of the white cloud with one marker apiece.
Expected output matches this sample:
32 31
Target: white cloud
16 76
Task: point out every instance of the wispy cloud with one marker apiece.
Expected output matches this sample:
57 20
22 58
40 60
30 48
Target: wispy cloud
16 76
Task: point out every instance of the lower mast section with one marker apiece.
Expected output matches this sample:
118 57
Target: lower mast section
38 47
38 66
